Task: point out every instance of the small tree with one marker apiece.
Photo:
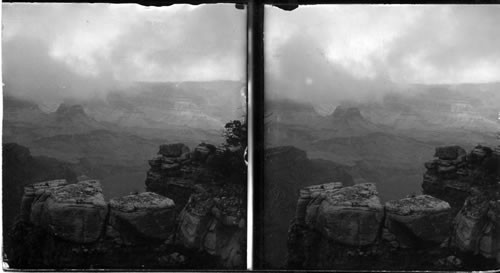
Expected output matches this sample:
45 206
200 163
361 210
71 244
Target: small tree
229 159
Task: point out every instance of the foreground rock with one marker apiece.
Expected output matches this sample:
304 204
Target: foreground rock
75 212
142 216
424 218
351 215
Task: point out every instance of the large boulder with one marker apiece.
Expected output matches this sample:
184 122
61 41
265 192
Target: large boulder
75 212
173 150
145 215
421 217
350 215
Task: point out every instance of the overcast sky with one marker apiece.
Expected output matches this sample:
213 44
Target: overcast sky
355 51
67 48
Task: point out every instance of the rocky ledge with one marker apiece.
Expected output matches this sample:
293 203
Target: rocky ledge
185 220
453 225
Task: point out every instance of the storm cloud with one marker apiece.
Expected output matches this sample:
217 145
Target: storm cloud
359 52
85 50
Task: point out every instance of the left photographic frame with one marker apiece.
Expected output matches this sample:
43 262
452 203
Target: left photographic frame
124 133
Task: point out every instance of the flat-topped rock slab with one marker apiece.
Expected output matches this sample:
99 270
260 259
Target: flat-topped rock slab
143 215
141 201
426 217
350 215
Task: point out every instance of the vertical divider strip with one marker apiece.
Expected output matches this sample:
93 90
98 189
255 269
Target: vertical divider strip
255 68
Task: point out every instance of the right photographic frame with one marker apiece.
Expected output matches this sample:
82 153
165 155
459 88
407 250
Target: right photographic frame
381 133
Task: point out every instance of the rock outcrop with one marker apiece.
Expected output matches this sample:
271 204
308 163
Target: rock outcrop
453 225
451 176
212 213
190 222
470 182
476 225
215 223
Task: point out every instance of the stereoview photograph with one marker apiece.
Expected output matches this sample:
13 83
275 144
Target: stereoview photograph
124 129
381 134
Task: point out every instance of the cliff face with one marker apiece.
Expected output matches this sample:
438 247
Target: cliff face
288 169
453 225
21 168
184 220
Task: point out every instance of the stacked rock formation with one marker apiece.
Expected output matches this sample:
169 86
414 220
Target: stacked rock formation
446 176
176 170
211 215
